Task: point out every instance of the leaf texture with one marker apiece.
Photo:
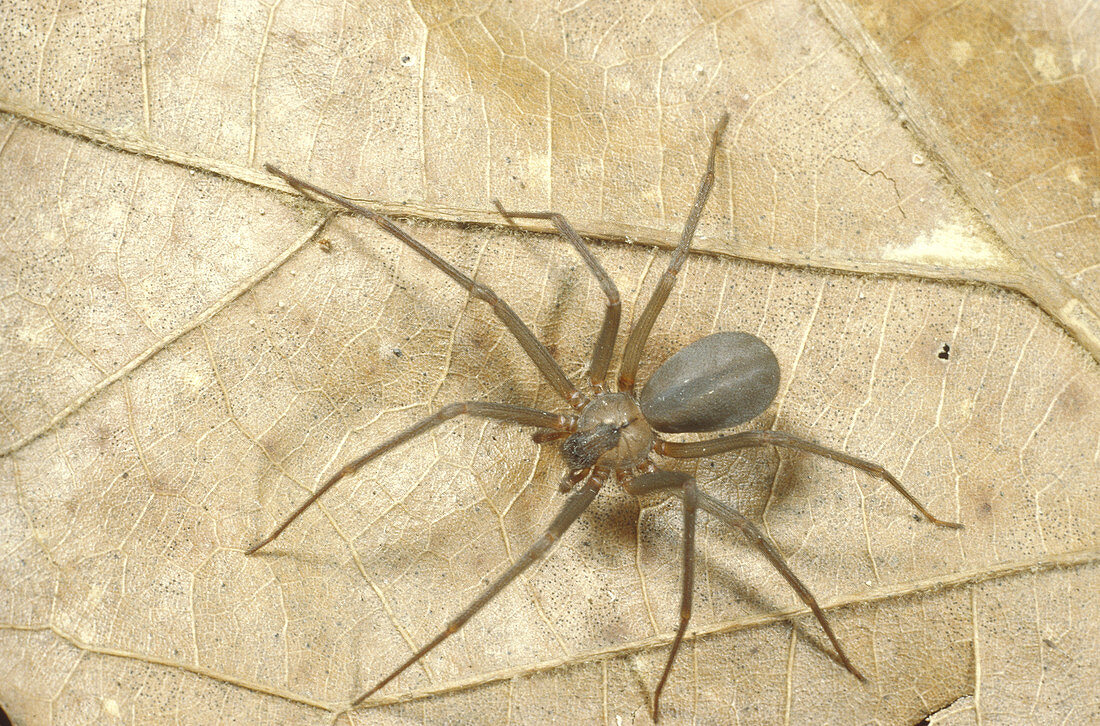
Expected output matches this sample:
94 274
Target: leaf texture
905 211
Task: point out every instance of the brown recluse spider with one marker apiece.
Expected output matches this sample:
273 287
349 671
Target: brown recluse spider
720 381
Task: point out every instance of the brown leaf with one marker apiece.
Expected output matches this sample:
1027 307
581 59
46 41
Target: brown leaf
905 211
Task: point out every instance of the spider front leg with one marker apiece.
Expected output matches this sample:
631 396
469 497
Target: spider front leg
499 411
632 352
531 345
747 439
605 343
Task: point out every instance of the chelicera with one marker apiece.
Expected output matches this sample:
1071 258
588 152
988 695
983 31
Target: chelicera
718 382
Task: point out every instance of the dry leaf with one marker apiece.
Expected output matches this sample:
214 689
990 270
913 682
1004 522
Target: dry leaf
906 210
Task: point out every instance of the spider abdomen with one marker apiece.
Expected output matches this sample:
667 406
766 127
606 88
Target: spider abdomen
719 381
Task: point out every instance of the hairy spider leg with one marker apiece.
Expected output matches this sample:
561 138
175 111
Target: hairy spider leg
573 508
499 411
689 492
632 353
747 439
534 348
683 486
605 343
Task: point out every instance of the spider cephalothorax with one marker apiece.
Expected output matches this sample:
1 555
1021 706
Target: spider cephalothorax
611 433
720 381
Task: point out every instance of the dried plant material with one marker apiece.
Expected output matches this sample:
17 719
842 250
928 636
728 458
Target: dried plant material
181 358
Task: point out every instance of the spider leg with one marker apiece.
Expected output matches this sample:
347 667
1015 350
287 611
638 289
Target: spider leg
735 519
676 481
632 353
535 350
574 506
747 439
499 411
605 343
686 489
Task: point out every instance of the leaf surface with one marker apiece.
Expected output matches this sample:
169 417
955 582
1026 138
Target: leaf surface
905 211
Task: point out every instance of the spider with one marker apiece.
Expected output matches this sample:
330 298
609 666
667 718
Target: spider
720 381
